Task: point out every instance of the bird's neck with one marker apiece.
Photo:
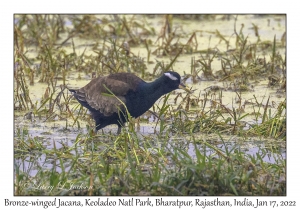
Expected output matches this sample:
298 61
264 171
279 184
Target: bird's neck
154 90
147 95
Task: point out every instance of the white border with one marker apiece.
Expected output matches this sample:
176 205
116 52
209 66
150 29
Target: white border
217 6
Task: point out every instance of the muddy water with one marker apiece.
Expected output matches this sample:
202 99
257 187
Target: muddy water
270 26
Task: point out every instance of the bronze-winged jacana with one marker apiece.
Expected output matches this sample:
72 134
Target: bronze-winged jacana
135 93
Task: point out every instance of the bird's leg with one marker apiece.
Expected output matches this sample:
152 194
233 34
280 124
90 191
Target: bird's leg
96 129
119 129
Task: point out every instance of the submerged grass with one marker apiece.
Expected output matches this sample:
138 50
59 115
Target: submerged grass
133 163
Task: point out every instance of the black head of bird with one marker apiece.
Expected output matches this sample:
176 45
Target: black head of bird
126 89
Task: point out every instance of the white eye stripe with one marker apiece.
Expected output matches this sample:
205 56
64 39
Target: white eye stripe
170 76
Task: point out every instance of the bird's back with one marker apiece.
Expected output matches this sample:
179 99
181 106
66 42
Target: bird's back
96 95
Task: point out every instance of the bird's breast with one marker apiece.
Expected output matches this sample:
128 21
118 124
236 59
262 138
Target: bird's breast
138 102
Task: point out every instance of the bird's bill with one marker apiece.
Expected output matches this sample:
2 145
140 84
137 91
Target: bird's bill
184 87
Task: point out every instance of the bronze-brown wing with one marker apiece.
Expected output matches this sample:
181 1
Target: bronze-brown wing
95 93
